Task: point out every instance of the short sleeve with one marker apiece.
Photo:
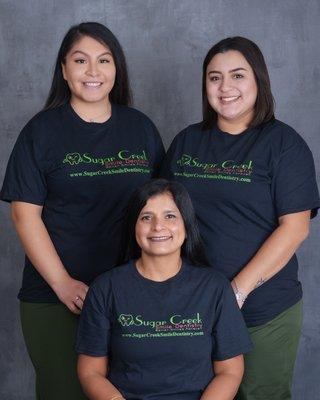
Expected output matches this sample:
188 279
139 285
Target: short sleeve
93 334
294 183
24 179
158 150
166 170
229 335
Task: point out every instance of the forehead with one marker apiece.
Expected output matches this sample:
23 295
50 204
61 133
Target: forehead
231 59
87 44
160 201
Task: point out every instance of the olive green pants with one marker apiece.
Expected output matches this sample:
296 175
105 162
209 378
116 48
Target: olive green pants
49 332
269 367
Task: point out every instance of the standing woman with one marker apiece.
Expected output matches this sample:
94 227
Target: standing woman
69 177
252 181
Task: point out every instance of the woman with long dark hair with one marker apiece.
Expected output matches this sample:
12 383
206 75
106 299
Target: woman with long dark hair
68 180
162 324
252 181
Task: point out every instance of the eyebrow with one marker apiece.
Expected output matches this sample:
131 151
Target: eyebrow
231 70
84 53
164 212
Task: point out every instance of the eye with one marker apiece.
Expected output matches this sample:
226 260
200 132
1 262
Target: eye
146 218
80 61
104 61
213 78
238 76
171 216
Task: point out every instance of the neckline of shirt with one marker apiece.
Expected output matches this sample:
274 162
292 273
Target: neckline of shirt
177 277
90 126
216 130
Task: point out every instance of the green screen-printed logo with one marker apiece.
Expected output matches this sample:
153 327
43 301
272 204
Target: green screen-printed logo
125 319
230 170
73 158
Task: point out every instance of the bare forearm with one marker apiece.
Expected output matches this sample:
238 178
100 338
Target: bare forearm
40 249
223 387
43 255
272 256
97 387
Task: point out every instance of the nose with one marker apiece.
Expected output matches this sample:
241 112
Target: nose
225 84
157 224
92 69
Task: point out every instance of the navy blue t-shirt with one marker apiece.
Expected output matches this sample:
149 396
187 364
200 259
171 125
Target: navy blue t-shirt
161 338
240 185
83 175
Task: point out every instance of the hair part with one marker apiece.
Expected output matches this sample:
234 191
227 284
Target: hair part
264 106
60 93
192 248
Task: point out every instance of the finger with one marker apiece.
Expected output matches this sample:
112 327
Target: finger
74 309
78 302
86 288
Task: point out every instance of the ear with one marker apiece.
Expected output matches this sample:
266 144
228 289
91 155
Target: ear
63 68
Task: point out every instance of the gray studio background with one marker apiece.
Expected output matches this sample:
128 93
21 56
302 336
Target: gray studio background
165 42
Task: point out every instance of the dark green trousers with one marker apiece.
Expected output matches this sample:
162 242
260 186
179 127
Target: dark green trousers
269 367
49 332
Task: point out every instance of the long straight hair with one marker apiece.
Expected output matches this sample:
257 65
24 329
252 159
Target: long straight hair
60 93
264 106
192 248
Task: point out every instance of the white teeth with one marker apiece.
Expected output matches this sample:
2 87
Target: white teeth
159 238
93 84
229 98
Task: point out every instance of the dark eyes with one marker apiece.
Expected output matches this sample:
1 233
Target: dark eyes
83 61
216 78
148 217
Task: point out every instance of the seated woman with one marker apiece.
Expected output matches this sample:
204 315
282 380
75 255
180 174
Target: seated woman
162 325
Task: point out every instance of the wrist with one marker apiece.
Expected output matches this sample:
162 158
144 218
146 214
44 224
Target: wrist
238 292
60 280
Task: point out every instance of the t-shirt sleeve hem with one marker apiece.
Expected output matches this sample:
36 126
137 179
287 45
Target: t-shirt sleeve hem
92 353
291 210
233 353
9 199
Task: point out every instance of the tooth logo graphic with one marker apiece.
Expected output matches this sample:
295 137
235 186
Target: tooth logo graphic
125 319
72 158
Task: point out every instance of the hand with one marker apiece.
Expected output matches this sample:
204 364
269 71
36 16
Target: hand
71 293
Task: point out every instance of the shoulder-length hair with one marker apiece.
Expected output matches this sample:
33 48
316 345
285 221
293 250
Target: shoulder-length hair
264 106
60 93
192 249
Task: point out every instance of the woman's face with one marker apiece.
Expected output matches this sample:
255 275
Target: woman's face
90 71
160 228
231 88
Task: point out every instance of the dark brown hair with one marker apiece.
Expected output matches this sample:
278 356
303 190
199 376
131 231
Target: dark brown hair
264 106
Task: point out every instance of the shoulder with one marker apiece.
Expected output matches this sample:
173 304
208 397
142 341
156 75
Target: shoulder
132 114
282 134
189 135
112 275
190 131
43 121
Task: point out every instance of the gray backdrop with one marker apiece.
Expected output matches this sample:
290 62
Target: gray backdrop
165 42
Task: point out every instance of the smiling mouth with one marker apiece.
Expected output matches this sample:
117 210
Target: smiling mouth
229 99
92 84
159 238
